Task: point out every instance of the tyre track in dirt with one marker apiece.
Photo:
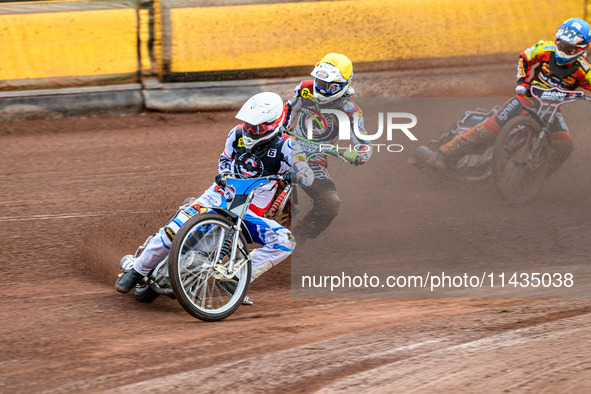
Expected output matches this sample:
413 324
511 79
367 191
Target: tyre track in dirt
402 357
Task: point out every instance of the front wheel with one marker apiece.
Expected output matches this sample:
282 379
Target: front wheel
196 284
518 172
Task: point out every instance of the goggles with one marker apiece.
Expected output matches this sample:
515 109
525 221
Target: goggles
263 128
569 49
329 88
259 128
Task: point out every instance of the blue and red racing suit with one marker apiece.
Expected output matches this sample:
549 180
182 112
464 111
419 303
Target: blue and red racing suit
547 74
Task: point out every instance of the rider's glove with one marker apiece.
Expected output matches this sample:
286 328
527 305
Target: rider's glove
220 179
352 157
292 177
521 90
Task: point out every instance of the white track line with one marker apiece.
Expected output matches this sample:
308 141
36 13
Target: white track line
65 216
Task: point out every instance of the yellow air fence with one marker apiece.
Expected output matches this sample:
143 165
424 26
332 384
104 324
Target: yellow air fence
145 47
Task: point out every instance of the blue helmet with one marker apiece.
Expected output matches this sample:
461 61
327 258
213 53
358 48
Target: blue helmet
572 39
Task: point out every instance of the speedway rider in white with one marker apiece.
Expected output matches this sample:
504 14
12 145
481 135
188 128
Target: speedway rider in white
253 149
329 90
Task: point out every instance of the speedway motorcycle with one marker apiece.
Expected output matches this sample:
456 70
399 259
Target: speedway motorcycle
518 159
208 268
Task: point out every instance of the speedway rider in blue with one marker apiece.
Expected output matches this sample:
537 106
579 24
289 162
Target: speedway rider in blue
546 64
253 149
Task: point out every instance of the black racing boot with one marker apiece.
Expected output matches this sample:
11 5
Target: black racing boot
128 280
438 161
421 156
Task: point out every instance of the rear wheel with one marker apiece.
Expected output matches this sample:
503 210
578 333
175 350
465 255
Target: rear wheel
196 284
518 174
283 215
144 293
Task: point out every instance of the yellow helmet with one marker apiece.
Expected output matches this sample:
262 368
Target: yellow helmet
332 77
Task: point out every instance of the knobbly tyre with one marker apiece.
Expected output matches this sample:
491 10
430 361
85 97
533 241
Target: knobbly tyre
522 150
518 159
208 255
285 197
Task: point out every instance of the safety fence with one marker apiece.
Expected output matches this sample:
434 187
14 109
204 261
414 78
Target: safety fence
175 54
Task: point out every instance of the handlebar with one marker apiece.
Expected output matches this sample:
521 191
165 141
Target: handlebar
276 177
221 179
313 148
338 154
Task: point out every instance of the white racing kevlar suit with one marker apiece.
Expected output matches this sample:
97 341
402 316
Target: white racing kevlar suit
277 156
323 193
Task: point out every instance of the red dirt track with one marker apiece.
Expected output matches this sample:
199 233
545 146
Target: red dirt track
76 195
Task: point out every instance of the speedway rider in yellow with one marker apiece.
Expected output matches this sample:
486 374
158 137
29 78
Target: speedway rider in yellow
330 89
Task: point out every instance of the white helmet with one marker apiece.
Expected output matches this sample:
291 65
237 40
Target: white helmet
263 115
332 77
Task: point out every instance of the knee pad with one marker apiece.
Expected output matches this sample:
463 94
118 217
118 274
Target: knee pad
328 204
562 140
285 238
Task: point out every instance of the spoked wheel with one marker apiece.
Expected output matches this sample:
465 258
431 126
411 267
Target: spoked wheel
197 285
519 175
